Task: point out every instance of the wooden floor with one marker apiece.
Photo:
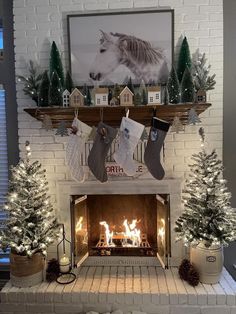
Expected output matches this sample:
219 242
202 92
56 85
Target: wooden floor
126 286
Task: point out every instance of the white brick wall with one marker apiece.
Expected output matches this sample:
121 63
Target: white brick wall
38 22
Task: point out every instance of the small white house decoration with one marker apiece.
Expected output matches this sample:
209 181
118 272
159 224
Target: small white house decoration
154 95
126 97
76 98
66 98
101 96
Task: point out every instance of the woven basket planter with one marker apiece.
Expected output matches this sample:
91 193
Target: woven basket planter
25 271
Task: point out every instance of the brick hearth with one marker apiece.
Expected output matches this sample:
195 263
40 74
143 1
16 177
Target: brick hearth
105 289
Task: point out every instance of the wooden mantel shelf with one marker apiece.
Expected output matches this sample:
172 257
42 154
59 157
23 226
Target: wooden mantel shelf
113 115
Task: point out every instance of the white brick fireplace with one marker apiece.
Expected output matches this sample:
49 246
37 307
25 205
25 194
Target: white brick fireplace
138 288
38 23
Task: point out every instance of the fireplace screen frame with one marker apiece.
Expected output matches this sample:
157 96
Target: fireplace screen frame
163 253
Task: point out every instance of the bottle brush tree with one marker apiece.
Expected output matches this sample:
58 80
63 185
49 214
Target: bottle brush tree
54 93
187 87
31 225
68 82
184 59
55 64
207 216
43 90
173 87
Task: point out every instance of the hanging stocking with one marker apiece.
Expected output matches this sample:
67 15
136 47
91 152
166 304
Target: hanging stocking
156 139
76 148
130 133
97 156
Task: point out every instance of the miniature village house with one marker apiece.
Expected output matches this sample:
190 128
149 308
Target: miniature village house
154 95
66 98
101 96
76 98
126 97
201 95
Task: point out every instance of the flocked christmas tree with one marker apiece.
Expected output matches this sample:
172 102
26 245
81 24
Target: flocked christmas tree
55 63
32 81
187 87
173 87
184 59
54 93
43 90
207 215
31 224
68 82
200 72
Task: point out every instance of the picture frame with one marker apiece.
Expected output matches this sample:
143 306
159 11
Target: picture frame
109 48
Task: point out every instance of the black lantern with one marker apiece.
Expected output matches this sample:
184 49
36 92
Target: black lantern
64 257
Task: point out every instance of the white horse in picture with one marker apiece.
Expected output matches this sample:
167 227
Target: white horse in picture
145 62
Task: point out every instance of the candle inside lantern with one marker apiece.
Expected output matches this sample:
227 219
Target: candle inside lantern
64 264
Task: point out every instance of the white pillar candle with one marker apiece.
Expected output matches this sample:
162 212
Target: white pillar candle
64 264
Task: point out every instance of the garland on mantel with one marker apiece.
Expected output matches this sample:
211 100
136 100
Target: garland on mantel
189 83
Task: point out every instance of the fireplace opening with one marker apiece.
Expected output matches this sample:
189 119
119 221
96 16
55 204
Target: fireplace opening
121 225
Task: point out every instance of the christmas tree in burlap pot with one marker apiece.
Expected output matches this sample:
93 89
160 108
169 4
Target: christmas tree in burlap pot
173 87
43 90
54 93
208 221
184 59
55 63
31 225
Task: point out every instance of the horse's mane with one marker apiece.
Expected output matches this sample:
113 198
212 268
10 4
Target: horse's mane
138 49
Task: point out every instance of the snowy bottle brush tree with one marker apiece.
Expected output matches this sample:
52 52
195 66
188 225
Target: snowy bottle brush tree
208 216
31 225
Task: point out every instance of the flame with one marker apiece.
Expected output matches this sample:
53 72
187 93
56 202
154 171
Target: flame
108 234
79 224
131 237
132 233
161 231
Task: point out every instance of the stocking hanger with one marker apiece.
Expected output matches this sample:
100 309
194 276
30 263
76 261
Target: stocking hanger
127 113
76 112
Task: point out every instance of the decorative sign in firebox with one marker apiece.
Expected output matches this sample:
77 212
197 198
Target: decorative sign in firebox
121 225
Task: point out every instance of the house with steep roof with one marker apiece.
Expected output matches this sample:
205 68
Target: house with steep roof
154 95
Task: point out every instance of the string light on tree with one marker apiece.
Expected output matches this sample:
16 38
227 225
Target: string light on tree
31 225
208 215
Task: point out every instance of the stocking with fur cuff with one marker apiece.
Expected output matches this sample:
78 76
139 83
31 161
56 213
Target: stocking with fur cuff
130 133
76 148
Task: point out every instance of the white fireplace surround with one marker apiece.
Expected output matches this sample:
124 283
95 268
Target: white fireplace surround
65 189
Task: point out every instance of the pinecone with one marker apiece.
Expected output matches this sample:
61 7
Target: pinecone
51 277
53 270
193 276
184 269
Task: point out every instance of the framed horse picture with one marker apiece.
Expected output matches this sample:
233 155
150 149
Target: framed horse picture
110 47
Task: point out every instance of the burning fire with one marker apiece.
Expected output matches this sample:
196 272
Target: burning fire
108 234
79 224
161 231
132 233
131 237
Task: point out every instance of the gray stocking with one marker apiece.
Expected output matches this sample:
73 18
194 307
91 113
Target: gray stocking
97 156
156 139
